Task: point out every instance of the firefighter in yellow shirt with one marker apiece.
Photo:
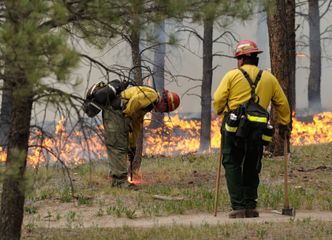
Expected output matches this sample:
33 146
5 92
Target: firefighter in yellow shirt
242 157
123 113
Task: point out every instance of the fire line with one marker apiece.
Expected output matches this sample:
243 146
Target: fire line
179 136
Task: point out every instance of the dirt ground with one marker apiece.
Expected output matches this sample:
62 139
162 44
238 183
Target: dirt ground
86 217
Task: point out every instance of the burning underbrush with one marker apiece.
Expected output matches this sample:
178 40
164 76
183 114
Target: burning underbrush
179 136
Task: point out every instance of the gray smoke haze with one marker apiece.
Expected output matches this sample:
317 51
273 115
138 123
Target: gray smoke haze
183 62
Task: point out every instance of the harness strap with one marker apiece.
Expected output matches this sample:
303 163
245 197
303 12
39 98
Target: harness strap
252 84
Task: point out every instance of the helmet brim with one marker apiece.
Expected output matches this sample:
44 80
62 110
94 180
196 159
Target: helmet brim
247 52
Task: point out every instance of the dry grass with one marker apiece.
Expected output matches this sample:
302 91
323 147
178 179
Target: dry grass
305 230
192 177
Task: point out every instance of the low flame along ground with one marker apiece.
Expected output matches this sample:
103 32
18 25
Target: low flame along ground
179 137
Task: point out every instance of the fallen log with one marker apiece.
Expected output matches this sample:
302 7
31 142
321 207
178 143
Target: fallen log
167 198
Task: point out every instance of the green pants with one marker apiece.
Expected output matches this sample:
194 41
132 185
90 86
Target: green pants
242 163
116 138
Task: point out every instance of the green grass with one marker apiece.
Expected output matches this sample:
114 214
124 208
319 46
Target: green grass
191 177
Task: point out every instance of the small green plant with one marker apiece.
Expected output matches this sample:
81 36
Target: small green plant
270 196
154 210
45 194
72 220
115 210
30 227
174 207
109 211
82 200
130 213
30 209
65 195
70 216
119 211
261 232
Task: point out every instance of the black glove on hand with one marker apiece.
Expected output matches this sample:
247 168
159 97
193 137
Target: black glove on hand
284 130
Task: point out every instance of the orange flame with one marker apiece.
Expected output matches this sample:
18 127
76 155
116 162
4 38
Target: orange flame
179 136
137 179
3 155
317 131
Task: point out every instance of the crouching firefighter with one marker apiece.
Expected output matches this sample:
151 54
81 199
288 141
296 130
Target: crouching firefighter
243 97
123 109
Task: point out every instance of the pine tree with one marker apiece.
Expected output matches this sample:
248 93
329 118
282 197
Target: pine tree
30 52
281 27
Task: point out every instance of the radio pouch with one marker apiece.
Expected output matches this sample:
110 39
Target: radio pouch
251 117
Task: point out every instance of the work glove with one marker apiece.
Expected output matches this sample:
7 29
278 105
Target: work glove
284 130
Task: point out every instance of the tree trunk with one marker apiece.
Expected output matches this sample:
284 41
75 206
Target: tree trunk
314 97
6 108
205 132
137 61
159 71
281 22
13 194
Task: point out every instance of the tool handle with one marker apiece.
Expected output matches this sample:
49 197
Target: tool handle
286 158
216 196
131 171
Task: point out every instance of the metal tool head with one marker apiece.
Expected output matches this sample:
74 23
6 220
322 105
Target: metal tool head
288 212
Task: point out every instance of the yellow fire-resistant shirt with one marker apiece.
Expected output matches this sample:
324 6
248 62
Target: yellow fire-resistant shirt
234 89
136 100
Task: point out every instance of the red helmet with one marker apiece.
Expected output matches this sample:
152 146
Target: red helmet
246 47
168 102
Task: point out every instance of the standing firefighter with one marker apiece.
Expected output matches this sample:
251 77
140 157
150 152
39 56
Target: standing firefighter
123 112
243 96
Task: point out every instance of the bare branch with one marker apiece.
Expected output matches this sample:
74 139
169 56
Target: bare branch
189 78
107 69
191 31
189 89
326 30
327 8
225 33
222 55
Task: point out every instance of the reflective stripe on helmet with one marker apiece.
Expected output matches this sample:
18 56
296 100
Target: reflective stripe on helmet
246 47
92 89
171 101
112 88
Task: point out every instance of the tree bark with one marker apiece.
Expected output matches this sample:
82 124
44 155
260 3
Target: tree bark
13 194
281 26
314 96
159 72
6 109
137 62
205 131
